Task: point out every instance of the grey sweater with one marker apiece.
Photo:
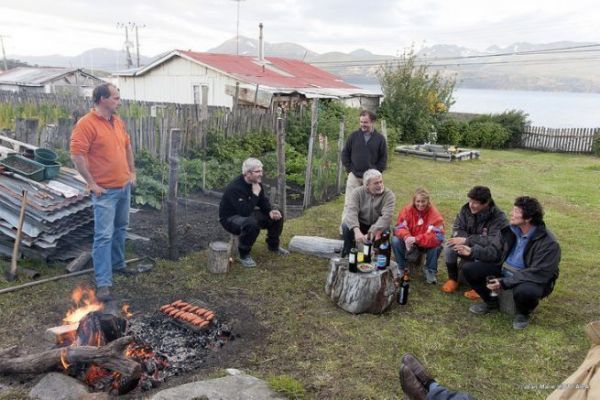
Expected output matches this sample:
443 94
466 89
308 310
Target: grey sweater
367 209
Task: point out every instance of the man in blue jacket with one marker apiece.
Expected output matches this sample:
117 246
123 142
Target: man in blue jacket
245 210
530 255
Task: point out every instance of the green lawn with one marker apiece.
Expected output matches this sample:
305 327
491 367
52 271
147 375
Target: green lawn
333 354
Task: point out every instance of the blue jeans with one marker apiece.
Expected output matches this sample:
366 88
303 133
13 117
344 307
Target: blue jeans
439 392
431 255
111 216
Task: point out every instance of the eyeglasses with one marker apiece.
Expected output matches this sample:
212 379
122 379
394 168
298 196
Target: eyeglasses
258 171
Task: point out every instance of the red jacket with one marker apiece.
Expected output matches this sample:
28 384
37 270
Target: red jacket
429 233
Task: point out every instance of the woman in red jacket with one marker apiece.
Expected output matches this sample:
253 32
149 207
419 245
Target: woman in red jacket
420 229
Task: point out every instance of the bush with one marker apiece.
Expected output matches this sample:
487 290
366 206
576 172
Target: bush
450 132
596 144
513 121
490 135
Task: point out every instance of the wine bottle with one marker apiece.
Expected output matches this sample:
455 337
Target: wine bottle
403 290
352 260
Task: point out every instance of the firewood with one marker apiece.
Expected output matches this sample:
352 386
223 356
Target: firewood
110 357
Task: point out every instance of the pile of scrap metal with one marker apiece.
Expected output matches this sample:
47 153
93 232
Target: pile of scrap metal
58 223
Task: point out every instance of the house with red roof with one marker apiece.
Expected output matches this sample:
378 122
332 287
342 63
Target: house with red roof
186 76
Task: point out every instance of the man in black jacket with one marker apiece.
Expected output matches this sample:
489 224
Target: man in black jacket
530 254
245 210
477 228
364 149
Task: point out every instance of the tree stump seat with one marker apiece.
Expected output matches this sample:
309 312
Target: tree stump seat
218 257
357 293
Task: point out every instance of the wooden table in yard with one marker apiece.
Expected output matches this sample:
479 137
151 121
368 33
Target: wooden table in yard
359 292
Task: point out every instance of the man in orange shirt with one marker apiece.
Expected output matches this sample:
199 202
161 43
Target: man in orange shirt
101 151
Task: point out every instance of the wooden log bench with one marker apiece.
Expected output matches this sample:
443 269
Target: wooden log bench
357 293
316 246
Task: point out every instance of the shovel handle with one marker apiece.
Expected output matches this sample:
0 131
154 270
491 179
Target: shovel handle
12 272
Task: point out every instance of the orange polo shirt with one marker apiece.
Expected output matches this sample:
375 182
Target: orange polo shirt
104 145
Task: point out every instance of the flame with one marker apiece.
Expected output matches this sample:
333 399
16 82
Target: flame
85 303
94 373
63 358
125 310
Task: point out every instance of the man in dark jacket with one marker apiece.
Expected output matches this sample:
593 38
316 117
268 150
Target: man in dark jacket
364 149
245 210
477 228
530 254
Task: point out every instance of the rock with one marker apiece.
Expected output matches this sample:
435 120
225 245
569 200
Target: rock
233 387
57 386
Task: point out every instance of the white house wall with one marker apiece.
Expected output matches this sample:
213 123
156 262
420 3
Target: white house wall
173 82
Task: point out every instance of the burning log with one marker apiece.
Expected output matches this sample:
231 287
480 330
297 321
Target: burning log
112 357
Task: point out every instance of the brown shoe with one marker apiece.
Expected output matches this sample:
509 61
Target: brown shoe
412 388
417 368
471 295
450 286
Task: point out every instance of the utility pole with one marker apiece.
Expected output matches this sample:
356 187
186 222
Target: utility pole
137 40
3 52
237 30
127 43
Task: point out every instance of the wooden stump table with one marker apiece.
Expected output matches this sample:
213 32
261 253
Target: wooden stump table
371 292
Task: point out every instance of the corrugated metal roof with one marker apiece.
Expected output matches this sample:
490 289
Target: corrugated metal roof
276 74
35 76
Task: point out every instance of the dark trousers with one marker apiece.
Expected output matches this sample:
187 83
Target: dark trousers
248 229
526 295
348 236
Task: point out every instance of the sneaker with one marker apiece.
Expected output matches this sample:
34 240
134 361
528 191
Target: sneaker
411 386
521 321
247 261
471 295
430 276
280 251
103 293
483 308
450 286
417 368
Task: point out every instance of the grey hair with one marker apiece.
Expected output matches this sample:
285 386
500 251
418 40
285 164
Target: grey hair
369 174
250 164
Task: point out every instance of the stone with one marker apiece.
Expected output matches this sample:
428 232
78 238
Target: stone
57 386
234 387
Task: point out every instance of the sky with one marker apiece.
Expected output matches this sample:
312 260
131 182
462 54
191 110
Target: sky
69 27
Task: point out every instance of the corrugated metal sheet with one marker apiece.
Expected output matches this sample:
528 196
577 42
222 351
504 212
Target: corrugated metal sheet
55 227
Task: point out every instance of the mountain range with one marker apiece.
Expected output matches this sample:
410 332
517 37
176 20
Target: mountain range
520 66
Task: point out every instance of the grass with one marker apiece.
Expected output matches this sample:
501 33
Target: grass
315 350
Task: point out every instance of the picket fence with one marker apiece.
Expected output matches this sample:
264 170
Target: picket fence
570 140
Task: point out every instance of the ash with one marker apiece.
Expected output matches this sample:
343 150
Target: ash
184 348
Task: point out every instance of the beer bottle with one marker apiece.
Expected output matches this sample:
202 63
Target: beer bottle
403 290
352 260
367 250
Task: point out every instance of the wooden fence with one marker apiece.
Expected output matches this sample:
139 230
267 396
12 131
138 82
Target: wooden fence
571 140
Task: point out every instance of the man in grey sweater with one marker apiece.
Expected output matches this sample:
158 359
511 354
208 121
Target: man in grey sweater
370 210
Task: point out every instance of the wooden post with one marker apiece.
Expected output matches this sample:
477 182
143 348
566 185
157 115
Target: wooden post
174 139
384 129
311 140
339 179
281 192
204 130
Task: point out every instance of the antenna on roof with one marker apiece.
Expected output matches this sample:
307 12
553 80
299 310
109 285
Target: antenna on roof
237 30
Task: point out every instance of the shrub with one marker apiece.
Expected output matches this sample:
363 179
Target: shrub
489 135
514 121
596 144
450 132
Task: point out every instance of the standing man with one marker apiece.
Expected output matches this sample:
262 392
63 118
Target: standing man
101 152
530 255
476 227
364 149
370 211
245 210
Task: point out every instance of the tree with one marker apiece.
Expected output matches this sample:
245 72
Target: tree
414 99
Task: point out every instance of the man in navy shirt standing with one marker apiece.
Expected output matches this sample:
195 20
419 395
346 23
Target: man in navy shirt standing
530 255
364 149
245 210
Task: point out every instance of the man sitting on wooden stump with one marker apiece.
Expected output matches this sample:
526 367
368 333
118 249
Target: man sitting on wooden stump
370 210
245 210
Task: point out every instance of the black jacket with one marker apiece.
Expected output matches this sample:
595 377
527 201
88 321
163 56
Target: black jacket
541 257
482 231
238 199
358 156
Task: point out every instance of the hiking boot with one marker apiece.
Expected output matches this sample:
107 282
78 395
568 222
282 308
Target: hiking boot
521 321
430 276
483 308
103 293
471 295
450 286
411 386
280 251
417 368
247 261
